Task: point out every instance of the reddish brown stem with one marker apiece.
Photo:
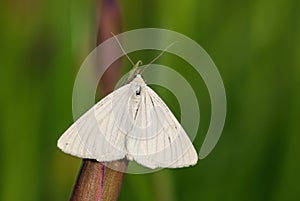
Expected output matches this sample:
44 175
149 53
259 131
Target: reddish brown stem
110 22
89 182
95 181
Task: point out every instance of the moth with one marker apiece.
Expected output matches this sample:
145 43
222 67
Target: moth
131 123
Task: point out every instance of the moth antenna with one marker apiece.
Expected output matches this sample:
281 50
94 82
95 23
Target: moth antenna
122 48
136 70
157 57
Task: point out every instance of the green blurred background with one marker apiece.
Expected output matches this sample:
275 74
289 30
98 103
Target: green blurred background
256 46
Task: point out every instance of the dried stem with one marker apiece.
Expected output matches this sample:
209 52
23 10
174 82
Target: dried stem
89 184
95 181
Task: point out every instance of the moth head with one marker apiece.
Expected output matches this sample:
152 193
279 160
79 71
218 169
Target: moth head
139 80
138 84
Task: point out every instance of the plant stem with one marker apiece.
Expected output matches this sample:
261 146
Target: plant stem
95 181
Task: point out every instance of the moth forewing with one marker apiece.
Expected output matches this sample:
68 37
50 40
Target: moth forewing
132 122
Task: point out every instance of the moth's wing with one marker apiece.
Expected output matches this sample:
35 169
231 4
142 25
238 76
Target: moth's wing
158 139
94 135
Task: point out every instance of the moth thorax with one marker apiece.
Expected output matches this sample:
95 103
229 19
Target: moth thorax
138 89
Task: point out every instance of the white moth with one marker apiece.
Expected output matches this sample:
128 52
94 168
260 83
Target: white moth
134 123
130 123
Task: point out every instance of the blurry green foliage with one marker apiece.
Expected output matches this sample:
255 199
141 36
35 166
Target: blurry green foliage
256 46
